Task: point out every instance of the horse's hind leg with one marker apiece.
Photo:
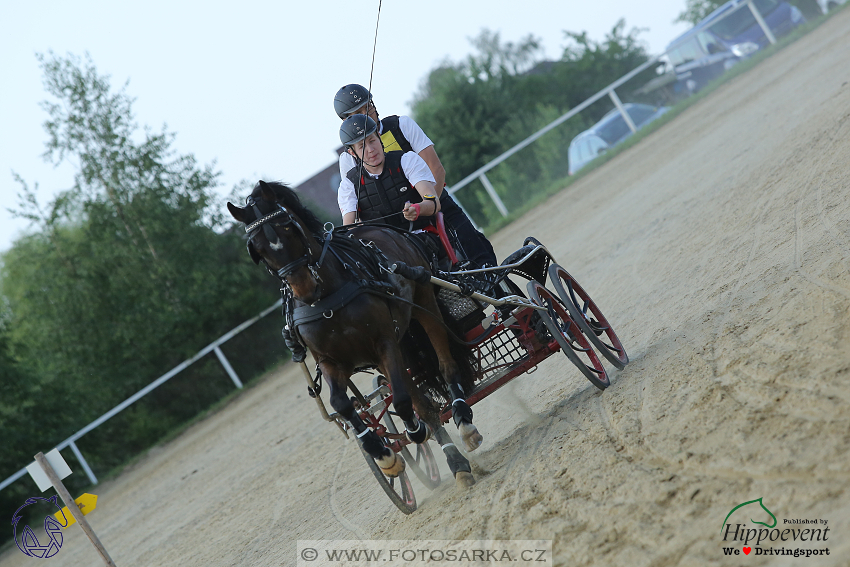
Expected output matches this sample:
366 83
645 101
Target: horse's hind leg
458 464
461 412
391 464
392 364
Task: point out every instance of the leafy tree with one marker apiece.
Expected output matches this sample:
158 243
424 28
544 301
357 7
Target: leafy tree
476 109
125 275
696 10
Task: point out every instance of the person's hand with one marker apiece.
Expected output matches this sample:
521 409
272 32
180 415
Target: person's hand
411 212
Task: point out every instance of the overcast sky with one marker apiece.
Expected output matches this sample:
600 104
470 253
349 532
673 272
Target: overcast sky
252 86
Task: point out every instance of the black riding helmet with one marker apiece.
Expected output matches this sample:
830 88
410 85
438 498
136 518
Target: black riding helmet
349 98
356 128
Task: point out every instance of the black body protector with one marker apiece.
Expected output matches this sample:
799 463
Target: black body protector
392 136
386 195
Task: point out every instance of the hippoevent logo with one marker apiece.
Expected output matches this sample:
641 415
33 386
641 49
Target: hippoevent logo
770 539
28 542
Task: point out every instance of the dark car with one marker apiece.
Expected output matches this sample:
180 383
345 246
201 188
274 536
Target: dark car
609 132
740 32
724 37
698 58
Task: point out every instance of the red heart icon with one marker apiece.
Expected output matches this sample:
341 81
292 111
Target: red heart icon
747 550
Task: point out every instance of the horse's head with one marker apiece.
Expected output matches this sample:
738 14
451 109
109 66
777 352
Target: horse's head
280 232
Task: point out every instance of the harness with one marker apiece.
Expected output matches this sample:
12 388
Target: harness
264 223
362 259
369 265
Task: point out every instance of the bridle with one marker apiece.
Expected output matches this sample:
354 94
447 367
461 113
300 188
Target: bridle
282 217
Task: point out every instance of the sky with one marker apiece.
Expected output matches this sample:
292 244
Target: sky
251 87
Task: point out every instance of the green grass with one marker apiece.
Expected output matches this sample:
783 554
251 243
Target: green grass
676 110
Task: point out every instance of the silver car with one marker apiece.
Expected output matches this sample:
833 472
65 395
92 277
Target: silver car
609 132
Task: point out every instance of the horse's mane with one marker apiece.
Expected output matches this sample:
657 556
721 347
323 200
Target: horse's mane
287 197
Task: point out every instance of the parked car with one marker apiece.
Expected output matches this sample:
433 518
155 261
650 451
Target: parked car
698 58
609 132
740 33
827 5
724 37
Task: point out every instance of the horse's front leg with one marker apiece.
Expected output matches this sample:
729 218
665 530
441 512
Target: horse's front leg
458 464
337 378
392 364
461 412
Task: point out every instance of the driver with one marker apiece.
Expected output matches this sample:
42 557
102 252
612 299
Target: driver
396 188
401 133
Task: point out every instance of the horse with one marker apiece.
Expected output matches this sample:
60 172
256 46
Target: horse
365 331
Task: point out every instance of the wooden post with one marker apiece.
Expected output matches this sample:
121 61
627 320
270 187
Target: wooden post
72 507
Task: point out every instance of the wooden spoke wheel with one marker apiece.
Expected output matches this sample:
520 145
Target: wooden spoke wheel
588 316
567 333
398 489
419 458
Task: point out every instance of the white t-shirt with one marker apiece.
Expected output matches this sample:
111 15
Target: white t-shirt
413 166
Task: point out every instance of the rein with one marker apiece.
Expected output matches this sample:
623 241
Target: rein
325 307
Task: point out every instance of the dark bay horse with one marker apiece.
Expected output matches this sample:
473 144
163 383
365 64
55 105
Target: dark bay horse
364 332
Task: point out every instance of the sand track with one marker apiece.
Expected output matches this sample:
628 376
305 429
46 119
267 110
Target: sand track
720 249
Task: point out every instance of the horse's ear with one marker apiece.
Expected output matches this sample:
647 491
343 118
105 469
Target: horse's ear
238 213
267 192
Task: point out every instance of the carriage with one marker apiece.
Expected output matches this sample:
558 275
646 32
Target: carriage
444 337
502 337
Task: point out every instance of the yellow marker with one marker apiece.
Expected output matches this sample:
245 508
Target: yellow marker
86 503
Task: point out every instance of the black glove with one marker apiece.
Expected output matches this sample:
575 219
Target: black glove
299 353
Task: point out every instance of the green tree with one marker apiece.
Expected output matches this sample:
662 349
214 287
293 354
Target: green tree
696 10
476 109
125 275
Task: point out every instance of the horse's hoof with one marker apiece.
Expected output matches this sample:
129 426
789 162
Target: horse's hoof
464 479
471 438
391 466
421 435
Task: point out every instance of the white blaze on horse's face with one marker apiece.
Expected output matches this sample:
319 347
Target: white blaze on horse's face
277 245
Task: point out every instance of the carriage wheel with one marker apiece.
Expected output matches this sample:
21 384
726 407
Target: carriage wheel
569 336
578 303
398 489
423 464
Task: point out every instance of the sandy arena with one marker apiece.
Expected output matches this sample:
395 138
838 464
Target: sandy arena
719 247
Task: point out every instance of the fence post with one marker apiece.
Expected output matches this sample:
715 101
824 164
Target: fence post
762 24
83 463
616 100
493 195
228 368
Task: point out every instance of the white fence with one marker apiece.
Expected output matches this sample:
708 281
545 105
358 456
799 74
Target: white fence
610 90
477 174
212 347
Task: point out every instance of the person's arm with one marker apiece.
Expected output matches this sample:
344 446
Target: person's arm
430 156
428 207
345 196
422 145
419 175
